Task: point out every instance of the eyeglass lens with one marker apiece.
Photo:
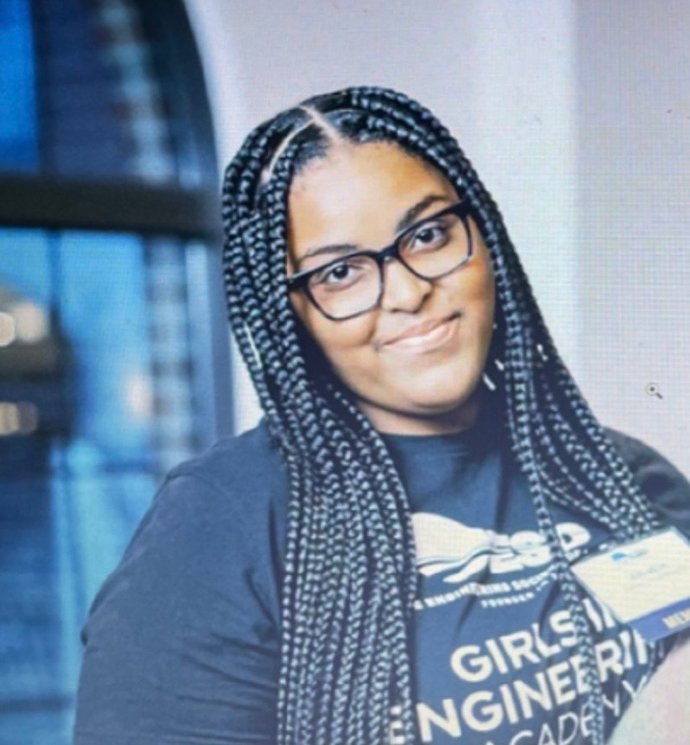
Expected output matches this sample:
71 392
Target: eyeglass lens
353 284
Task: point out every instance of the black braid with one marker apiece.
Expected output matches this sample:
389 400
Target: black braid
350 579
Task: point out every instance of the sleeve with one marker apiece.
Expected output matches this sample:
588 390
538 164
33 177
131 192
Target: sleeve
181 645
664 485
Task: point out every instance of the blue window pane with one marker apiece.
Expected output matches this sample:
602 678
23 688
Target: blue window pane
81 96
104 315
94 334
30 347
25 265
18 130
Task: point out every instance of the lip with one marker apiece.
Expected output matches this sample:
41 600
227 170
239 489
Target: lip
426 336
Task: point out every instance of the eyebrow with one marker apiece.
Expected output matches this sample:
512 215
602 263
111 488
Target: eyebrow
405 221
413 213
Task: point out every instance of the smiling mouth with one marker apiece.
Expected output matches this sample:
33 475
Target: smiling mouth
430 341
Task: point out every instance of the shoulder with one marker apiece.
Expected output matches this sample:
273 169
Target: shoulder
233 493
215 525
243 476
664 485
246 461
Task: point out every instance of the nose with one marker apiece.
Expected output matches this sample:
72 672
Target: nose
402 290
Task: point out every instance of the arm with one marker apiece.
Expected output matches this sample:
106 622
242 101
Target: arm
660 713
181 646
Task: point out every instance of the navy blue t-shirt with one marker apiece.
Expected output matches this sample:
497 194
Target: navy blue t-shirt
183 640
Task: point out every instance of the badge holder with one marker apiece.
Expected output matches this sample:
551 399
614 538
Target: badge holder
645 583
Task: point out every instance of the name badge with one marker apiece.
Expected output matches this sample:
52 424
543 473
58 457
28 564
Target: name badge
645 583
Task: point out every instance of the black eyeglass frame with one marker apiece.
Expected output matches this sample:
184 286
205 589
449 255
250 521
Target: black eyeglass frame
300 279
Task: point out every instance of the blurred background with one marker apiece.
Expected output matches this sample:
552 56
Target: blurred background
115 361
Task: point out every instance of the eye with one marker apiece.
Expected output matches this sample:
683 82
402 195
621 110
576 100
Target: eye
341 274
338 273
429 235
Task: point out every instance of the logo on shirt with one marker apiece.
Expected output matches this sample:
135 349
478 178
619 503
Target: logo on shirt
456 560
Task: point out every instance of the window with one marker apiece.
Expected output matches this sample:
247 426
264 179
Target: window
110 309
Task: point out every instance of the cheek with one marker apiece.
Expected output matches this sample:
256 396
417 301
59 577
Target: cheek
343 340
472 290
478 288
343 343
487 301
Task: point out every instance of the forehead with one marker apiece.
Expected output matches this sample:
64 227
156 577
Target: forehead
356 194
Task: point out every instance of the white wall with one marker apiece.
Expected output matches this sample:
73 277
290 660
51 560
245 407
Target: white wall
534 92
633 130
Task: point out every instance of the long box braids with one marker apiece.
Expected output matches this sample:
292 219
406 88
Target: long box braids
350 580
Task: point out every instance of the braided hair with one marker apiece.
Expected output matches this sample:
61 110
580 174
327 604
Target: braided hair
350 580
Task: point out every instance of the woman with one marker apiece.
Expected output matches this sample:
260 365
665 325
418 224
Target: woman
387 557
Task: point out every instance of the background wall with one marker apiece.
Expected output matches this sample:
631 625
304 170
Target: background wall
576 115
633 156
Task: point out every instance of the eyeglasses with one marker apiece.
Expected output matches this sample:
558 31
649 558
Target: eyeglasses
352 285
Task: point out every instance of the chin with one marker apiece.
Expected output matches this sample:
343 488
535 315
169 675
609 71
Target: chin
434 405
445 391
